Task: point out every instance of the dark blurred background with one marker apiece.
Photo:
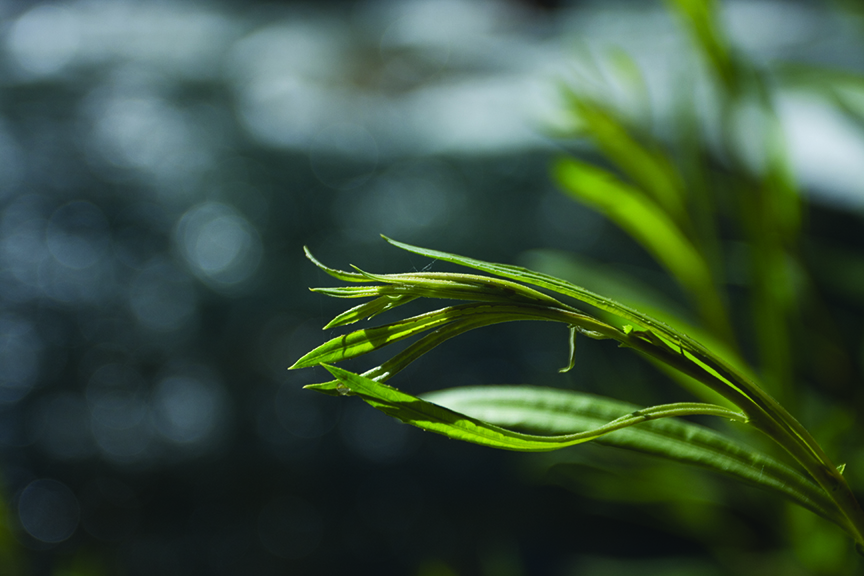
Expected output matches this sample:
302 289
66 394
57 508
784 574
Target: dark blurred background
162 165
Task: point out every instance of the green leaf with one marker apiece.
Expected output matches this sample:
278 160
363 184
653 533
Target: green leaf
624 314
457 286
366 340
433 418
701 17
571 358
611 281
370 309
398 362
363 341
630 291
551 411
649 225
682 353
673 339
338 274
649 169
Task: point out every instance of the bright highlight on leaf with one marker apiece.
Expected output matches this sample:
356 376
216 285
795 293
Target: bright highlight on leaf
551 411
538 420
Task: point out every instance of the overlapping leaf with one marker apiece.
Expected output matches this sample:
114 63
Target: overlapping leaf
498 300
550 411
434 418
680 352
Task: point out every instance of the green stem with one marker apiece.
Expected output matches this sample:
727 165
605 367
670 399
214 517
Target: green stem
767 416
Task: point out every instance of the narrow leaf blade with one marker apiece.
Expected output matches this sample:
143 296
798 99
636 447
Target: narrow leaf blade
551 411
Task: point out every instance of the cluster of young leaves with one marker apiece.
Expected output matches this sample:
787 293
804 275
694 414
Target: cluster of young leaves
567 418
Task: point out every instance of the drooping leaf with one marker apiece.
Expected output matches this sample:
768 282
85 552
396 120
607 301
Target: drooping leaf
628 290
625 315
611 281
681 352
434 418
551 411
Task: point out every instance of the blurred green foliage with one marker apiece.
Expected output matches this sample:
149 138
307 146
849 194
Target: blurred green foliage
689 205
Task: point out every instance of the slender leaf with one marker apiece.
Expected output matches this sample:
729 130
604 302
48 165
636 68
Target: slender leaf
649 225
398 362
673 338
684 354
551 411
648 169
630 291
434 418
338 274
370 309
366 340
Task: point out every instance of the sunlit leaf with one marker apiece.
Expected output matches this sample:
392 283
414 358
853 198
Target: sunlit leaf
629 290
681 353
370 309
363 341
550 411
366 340
434 418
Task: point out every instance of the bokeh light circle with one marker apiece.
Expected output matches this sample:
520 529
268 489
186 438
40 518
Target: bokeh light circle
48 511
219 244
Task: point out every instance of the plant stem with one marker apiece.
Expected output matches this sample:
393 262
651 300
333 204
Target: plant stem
769 417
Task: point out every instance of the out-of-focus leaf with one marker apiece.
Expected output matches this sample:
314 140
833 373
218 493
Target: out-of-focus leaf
648 225
550 411
649 169
701 18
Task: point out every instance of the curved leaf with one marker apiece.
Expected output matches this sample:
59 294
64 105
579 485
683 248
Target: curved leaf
682 352
366 340
553 411
433 418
